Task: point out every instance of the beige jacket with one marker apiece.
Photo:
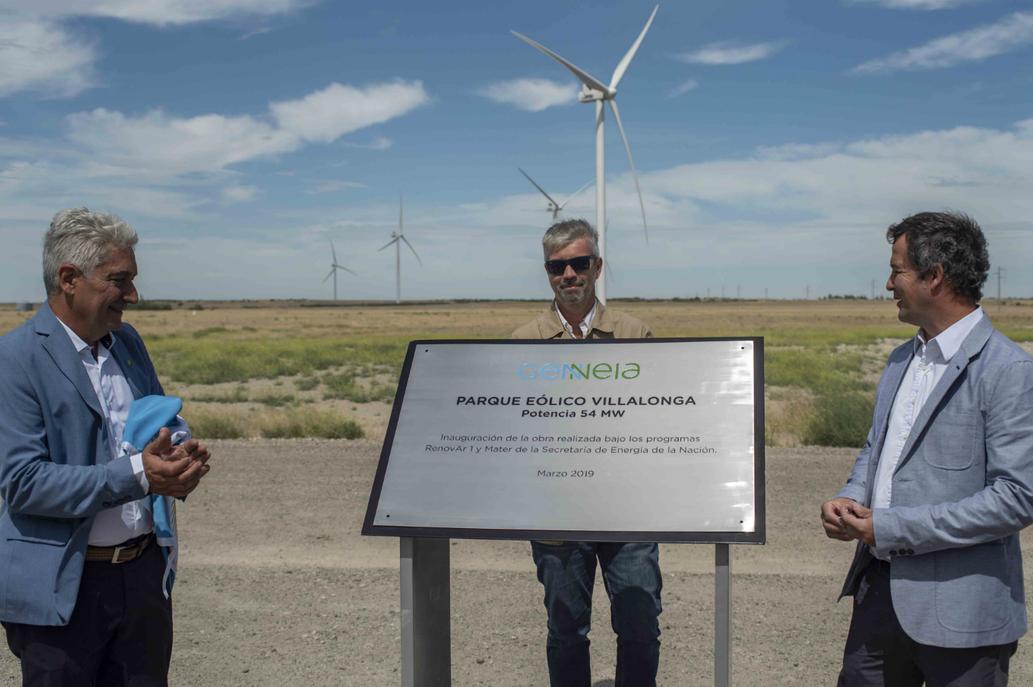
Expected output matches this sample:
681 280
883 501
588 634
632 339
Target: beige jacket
606 324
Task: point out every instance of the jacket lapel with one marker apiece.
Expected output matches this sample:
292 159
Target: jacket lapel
59 347
970 347
130 367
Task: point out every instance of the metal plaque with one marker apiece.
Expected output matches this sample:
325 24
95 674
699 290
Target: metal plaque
642 440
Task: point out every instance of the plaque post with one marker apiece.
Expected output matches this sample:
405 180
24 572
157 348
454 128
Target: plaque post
722 616
425 620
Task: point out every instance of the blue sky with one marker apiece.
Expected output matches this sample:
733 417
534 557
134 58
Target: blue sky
775 139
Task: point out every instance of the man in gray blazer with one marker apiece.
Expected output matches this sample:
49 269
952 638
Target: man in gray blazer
944 483
81 594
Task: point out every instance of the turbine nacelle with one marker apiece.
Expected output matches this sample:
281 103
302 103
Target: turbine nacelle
591 95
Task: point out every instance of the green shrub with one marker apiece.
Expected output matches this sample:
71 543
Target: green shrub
301 423
306 383
840 420
215 424
211 360
274 400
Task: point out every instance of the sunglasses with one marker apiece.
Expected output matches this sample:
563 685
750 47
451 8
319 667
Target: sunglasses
580 264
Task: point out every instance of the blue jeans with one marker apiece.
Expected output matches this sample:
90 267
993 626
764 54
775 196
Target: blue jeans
631 574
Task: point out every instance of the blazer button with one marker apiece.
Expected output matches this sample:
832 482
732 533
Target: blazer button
893 552
911 552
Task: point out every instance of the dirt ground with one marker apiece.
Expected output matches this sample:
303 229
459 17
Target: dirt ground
277 587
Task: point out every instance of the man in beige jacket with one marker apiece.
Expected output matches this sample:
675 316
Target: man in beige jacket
631 571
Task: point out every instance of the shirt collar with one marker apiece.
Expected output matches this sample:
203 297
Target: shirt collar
81 345
587 321
944 345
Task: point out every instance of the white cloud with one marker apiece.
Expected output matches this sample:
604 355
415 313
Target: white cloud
729 52
239 194
335 185
1011 33
532 95
157 12
920 4
683 88
378 143
41 56
340 109
162 145
172 145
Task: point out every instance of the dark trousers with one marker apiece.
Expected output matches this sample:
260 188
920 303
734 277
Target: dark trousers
120 633
880 654
631 574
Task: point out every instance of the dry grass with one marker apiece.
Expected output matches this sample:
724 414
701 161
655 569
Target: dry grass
232 360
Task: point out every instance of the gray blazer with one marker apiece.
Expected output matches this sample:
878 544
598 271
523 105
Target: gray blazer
56 471
962 491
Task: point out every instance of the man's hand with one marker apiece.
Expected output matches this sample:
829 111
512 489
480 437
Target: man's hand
832 518
174 472
857 522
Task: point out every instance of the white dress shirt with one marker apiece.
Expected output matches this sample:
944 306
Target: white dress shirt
922 375
585 325
113 526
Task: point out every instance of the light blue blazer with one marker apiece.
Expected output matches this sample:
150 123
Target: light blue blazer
55 468
961 492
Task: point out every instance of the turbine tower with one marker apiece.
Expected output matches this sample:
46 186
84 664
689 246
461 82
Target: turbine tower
555 207
397 238
334 267
595 91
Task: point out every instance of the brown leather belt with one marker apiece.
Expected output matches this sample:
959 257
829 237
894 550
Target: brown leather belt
123 553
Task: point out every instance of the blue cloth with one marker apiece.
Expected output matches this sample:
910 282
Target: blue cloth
147 415
631 574
961 492
56 471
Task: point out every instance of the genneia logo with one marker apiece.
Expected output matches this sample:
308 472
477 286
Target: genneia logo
568 371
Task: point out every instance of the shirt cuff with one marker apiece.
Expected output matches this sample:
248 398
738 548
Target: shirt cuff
137 462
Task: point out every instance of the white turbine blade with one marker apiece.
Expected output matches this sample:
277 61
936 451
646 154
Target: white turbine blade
400 214
528 176
631 161
622 66
406 241
333 253
342 267
330 274
581 74
389 243
583 187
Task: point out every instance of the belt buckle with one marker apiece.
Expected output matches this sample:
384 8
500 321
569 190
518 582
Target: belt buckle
118 551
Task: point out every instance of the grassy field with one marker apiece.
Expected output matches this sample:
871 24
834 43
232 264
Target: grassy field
284 370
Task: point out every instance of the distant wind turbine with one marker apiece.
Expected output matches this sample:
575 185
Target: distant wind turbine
595 91
397 238
555 207
333 269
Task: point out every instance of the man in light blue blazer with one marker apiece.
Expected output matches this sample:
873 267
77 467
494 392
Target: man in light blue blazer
81 596
944 483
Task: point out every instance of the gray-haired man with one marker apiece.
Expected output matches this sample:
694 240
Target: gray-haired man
631 571
82 598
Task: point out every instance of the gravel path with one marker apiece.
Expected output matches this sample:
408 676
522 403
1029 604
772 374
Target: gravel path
278 588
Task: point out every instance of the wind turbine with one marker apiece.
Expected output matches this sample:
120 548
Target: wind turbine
334 267
397 238
595 91
554 207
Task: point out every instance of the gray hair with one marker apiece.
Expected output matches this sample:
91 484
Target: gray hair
952 240
82 238
562 234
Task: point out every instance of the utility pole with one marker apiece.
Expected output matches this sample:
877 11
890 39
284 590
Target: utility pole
765 293
807 293
738 291
873 289
998 283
